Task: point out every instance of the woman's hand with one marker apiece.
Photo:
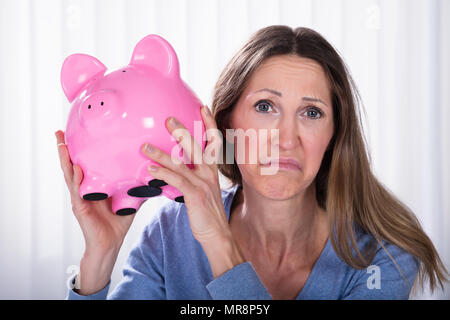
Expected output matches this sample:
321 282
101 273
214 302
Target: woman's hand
201 190
102 229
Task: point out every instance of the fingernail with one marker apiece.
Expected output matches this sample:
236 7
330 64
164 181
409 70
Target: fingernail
149 148
174 121
152 168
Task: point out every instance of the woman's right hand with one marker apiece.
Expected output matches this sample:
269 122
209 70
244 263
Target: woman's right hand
103 230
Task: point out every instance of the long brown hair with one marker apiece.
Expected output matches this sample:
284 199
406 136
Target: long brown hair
345 185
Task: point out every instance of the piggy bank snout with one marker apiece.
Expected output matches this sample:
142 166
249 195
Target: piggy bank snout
98 107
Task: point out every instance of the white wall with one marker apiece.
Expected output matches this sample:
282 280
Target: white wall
398 52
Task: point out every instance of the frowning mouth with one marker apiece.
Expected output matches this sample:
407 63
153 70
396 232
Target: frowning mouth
284 163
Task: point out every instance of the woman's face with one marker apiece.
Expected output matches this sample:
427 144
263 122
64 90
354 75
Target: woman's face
291 94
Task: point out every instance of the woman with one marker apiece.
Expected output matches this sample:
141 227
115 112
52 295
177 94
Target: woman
320 227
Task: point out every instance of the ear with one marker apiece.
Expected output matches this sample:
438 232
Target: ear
77 70
155 52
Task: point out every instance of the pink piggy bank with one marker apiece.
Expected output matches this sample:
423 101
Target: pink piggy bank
114 114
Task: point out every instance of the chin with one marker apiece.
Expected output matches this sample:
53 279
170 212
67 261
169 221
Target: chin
280 187
278 194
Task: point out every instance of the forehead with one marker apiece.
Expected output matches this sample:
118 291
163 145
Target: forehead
295 74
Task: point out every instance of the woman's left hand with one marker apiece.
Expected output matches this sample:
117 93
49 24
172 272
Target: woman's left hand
201 190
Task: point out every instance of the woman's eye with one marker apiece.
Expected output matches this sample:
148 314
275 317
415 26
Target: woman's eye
313 113
263 106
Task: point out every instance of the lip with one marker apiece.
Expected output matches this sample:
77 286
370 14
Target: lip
285 163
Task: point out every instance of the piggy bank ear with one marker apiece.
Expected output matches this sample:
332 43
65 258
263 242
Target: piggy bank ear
77 70
155 52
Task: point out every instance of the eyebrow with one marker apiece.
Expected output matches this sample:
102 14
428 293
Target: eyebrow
277 93
309 99
271 91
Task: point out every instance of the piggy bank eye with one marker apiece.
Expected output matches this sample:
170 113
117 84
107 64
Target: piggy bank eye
124 71
89 106
101 103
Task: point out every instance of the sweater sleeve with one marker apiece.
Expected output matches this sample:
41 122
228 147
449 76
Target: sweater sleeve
383 280
239 283
142 273
73 295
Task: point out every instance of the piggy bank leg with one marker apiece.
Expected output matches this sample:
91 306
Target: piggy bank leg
94 188
157 183
144 192
154 185
173 193
123 204
167 190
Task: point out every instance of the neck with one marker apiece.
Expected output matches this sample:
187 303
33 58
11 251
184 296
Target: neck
277 230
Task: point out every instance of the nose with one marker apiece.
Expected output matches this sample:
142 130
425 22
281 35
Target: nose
98 107
288 136
98 99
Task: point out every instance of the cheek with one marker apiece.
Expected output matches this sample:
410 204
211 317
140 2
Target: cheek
252 141
314 147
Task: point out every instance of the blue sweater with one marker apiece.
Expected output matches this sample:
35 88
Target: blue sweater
168 263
